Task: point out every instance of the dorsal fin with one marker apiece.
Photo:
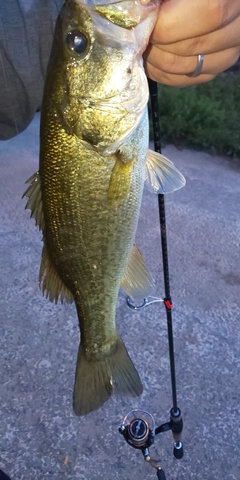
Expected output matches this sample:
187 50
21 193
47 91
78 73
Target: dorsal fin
52 285
34 202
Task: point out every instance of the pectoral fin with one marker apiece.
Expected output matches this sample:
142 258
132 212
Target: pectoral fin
161 175
52 285
137 281
34 202
120 180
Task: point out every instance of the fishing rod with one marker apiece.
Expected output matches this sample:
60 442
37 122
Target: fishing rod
138 427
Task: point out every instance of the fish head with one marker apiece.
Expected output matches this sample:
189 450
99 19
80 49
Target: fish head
99 88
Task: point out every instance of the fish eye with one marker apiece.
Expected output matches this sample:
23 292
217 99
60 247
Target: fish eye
77 42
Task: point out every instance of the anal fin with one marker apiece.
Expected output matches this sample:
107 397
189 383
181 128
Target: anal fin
137 281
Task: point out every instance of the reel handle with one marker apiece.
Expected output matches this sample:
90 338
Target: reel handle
178 450
161 474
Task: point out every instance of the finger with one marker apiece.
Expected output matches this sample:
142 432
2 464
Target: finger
213 63
176 80
222 39
178 20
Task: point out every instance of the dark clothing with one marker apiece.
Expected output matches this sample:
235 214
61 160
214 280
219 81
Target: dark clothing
3 476
26 31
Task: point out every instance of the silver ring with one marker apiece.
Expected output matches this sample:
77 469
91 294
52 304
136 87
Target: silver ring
198 69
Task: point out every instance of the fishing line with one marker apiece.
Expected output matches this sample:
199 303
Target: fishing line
138 426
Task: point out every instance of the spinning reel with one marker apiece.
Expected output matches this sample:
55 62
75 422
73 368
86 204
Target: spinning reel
139 430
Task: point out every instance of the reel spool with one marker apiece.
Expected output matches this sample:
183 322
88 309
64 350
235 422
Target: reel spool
138 429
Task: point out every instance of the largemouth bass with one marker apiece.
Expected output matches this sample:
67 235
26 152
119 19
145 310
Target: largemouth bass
87 194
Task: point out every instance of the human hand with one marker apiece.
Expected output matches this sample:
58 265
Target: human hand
188 28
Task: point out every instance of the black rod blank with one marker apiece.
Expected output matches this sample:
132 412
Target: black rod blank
161 204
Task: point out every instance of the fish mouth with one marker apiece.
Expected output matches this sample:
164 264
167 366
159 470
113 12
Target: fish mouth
129 15
125 13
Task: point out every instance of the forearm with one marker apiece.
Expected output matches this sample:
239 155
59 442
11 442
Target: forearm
25 43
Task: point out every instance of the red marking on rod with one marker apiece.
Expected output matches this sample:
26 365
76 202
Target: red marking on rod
168 304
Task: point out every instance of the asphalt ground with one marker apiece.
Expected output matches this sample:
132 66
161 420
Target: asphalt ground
40 437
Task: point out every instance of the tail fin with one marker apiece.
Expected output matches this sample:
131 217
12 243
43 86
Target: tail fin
96 380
